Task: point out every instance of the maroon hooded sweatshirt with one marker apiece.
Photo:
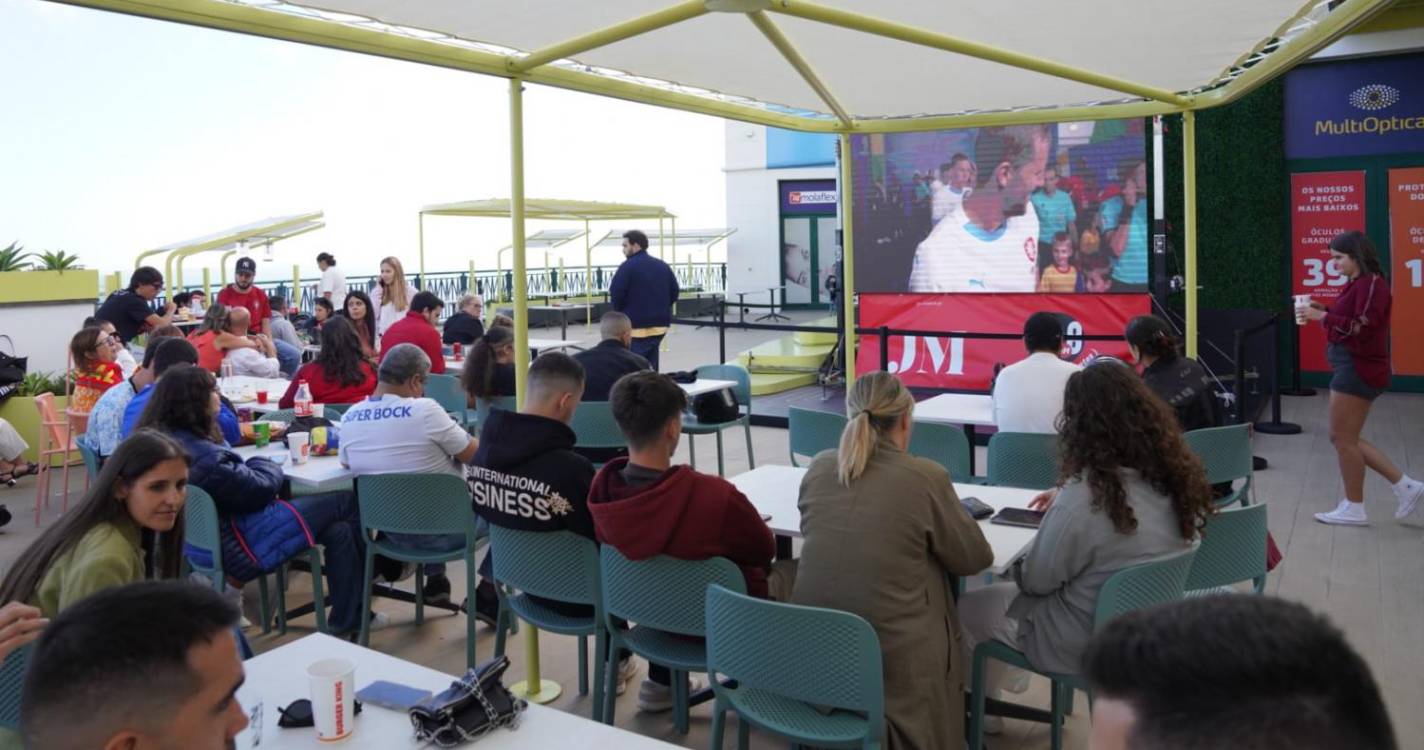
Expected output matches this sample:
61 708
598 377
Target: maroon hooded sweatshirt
683 514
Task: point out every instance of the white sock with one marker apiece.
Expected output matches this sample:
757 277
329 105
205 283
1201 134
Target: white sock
1405 484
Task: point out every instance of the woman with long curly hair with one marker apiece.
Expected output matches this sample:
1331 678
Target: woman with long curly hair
357 308
340 374
1131 491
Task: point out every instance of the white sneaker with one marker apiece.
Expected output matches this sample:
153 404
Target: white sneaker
1345 514
654 698
1409 501
626 672
993 725
379 621
1016 681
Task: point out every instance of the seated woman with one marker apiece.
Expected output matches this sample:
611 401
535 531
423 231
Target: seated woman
489 370
357 309
92 353
213 340
871 489
129 521
1132 491
260 530
340 373
1180 381
12 454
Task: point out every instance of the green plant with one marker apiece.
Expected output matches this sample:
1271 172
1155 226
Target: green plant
36 383
14 258
57 260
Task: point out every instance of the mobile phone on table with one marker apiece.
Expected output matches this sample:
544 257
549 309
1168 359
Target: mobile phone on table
1019 517
977 509
391 695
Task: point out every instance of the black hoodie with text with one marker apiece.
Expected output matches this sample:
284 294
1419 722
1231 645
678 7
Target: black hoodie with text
526 475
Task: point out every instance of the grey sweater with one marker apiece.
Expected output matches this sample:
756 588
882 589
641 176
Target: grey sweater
1076 551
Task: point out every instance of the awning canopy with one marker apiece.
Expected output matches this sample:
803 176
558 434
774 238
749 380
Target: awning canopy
829 65
259 232
546 208
697 237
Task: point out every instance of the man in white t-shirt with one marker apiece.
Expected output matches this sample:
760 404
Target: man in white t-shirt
991 243
333 282
949 191
1028 395
398 430
258 362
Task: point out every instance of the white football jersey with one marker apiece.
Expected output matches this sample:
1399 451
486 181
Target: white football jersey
958 256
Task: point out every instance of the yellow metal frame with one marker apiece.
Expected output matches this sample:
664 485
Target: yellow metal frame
296 230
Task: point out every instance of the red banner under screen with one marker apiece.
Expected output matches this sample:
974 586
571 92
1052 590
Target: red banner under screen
1323 204
966 363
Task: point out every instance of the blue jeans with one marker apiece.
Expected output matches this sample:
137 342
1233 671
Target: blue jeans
335 521
647 347
429 543
289 357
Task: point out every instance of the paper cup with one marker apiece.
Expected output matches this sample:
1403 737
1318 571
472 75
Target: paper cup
1302 302
318 410
333 696
299 445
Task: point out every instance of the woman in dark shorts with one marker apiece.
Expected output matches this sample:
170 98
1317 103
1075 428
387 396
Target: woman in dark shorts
1357 328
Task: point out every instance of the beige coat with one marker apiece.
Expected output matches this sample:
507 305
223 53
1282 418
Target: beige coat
884 549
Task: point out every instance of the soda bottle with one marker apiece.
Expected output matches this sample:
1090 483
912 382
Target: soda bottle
457 351
302 402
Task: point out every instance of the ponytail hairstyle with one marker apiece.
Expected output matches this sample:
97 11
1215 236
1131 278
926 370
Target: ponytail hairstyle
1152 337
215 319
874 405
478 375
1358 246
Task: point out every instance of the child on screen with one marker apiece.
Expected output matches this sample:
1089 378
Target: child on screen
1061 276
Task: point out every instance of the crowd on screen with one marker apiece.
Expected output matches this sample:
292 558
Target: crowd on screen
101 590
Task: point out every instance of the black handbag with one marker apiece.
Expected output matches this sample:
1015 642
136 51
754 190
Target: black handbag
472 707
12 370
717 407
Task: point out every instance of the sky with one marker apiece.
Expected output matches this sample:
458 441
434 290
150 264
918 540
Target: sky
120 134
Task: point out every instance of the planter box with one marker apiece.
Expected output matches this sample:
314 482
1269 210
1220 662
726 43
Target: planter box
49 286
21 413
40 310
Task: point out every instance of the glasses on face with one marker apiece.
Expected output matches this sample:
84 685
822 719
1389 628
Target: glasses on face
107 341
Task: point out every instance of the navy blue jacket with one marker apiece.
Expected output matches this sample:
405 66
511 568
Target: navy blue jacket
604 364
644 289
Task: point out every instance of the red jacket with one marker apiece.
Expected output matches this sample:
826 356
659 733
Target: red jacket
415 329
1359 321
326 391
684 514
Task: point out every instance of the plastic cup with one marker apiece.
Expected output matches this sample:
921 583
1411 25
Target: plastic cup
262 396
299 445
244 414
1302 303
261 434
318 410
333 697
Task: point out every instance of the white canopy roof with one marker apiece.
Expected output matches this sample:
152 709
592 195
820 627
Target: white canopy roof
867 65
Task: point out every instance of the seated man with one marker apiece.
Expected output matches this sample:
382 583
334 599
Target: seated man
1028 395
465 327
179 356
398 430
604 364
644 506
1232 671
282 328
106 419
151 664
418 328
258 362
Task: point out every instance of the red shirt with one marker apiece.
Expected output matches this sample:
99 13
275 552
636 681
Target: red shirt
415 329
1359 321
254 299
326 391
210 357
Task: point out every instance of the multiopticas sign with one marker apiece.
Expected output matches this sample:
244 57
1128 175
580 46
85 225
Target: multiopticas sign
1380 125
1355 107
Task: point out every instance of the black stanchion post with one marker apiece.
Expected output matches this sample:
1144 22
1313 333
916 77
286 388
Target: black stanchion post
1238 386
722 332
884 348
1276 426
1296 389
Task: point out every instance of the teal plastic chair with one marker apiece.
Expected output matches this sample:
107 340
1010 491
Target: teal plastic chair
1023 459
531 567
666 598
783 677
334 412
812 431
692 426
417 504
946 445
1226 453
286 416
447 392
1132 588
90 453
1232 549
202 529
594 426
12 683
483 407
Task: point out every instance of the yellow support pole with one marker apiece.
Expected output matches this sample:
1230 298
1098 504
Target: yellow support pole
793 56
207 284
686 10
588 278
847 261
222 265
296 295
177 281
1189 224
534 688
420 221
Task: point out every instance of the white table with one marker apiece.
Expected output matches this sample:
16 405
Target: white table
278 677
705 385
317 471
236 384
965 409
539 346
774 490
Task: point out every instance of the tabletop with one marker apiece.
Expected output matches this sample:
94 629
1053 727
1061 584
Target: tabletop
317 471
705 385
957 408
278 677
774 490
242 390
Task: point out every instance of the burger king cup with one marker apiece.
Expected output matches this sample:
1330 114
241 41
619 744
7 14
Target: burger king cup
333 698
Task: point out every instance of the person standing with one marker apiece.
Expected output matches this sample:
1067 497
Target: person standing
645 289
1357 328
1055 211
1124 220
947 193
333 282
392 294
130 309
243 293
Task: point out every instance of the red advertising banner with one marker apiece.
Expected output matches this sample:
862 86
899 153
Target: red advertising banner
956 362
1406 250
1323 204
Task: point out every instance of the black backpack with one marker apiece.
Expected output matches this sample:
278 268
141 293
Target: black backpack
717 407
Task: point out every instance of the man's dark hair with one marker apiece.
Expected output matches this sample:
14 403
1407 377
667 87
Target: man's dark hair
171 352
1043 332
553 372
1238 671
182 299
144 275
94 321
643 402
278 305
324 302
116 659
423 301
1011 143
637 238
945 167
325 258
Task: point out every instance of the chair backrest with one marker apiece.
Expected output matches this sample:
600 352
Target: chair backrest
1023 459
279 415
202 527
558 565
1232 549
944 444
812 431
743 389
416 504
12 683
595 427
1143 585
483 406
49 423
664 593
764 645
446 391
336 410
90 453
1225 451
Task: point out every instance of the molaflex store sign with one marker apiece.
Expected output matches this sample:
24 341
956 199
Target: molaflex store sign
1355 108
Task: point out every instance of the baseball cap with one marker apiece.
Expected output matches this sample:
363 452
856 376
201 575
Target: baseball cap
246 265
